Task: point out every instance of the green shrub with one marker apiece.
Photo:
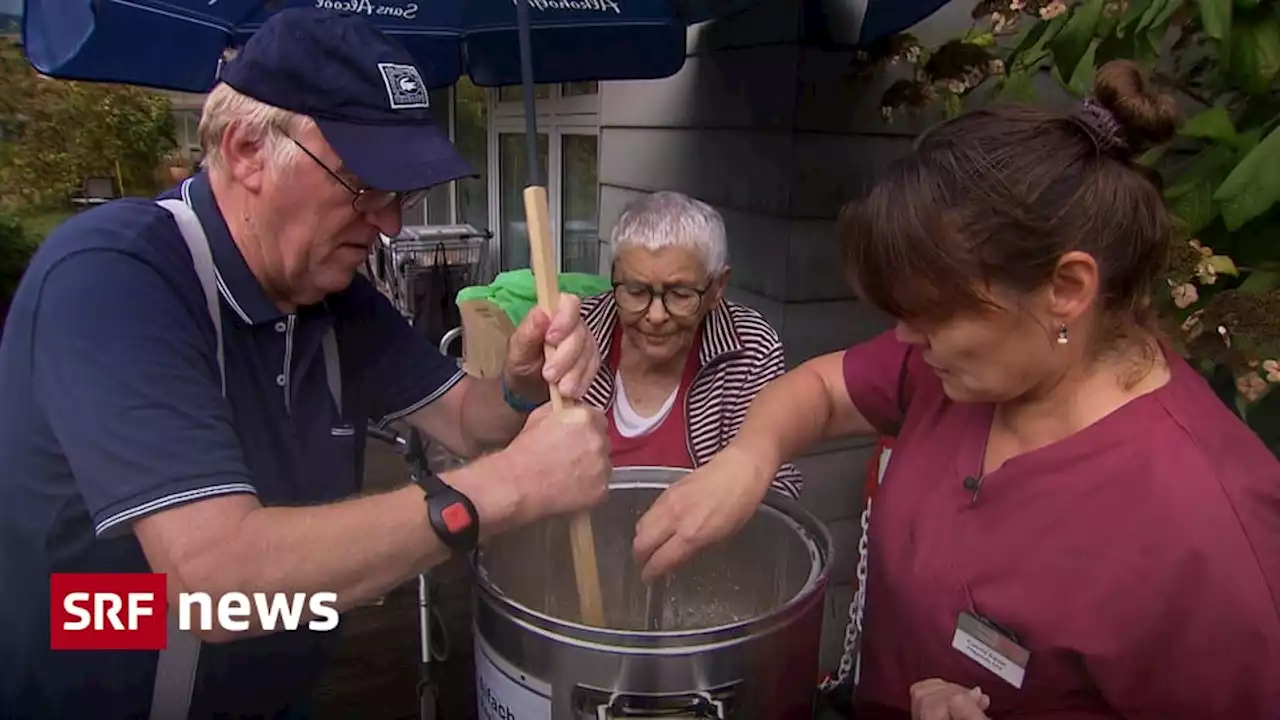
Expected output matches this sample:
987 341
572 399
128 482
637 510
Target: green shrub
56 133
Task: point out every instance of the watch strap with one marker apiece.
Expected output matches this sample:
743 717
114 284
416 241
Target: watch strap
452 514
514 401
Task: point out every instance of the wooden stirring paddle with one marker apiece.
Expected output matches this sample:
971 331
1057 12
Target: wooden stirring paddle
581 537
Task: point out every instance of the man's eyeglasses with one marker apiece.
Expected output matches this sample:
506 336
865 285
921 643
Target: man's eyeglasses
366 200
678 300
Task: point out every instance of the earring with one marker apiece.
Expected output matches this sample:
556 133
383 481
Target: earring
1062 334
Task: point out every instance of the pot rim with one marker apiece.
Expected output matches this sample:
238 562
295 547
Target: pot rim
813 531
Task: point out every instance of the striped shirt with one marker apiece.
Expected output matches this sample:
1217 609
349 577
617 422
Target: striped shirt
740 353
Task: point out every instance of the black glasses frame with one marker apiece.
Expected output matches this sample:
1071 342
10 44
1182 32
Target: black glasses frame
374 200
654 292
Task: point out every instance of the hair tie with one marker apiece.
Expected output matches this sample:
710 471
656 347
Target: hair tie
1106 131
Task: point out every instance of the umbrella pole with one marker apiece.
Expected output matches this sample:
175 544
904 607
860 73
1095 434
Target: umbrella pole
538 224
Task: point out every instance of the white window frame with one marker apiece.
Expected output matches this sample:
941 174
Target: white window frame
557 116
452 127
188 130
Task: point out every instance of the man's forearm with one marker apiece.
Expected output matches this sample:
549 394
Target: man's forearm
359 549
488 422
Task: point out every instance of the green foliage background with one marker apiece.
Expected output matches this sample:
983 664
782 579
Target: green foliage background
54 134
1221 60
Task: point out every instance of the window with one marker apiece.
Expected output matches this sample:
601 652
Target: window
577 89
187 132
513 171
579 208
568 147
471 136
512 94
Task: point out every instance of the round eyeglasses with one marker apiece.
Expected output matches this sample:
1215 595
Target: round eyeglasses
367 200
678 300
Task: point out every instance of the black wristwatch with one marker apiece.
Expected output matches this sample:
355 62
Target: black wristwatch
453 515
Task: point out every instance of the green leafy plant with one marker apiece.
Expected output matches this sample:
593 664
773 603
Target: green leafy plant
54 134
1221 59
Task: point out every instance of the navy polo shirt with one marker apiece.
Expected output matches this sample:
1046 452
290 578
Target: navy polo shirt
112 409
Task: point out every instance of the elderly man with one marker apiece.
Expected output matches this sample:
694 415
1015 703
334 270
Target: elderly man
140 432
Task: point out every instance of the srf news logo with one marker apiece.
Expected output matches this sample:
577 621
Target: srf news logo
128 611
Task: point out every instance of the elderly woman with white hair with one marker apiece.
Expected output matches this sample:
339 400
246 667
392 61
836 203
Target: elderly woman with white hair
681 364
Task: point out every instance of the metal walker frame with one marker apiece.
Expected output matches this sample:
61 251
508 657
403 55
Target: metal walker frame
393 266
396 262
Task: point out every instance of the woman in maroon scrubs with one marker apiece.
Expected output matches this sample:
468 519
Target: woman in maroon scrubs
1073 525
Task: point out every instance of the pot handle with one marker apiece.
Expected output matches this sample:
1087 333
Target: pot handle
695 705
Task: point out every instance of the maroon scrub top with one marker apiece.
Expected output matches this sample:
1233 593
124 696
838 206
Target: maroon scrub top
1138 560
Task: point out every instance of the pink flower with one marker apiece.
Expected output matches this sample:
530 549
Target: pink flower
1053 10
1272 369
1251 386
1001 22
1185 295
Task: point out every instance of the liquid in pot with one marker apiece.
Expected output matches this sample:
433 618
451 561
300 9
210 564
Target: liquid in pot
753 573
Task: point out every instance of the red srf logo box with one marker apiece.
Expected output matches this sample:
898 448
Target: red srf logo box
107 611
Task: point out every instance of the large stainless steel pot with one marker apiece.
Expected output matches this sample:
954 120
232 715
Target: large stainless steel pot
733 634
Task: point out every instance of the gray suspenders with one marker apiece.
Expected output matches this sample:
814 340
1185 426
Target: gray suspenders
176 666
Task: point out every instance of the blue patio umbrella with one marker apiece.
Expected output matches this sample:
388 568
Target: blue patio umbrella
177 44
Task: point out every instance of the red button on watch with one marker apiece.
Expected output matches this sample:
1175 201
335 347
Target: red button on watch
456 517
453 516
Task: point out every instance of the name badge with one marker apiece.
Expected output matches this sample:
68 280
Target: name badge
991 648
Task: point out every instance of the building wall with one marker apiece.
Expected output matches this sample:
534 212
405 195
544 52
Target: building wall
777 136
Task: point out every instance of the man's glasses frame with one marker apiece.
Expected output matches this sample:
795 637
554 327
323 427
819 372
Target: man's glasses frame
366 200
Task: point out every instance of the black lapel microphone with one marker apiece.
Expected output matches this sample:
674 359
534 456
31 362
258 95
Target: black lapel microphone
974 486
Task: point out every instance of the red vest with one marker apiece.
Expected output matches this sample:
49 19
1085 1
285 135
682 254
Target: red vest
666 445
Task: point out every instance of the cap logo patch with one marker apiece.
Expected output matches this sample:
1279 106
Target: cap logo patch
405 88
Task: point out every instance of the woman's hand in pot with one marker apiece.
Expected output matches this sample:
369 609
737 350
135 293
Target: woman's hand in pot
935 699
700 509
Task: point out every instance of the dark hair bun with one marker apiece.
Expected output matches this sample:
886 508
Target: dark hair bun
1147 116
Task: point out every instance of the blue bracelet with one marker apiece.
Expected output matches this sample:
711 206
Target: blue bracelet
515 402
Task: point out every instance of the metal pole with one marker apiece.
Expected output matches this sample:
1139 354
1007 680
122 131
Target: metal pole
526 81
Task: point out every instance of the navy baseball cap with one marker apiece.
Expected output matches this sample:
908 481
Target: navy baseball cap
361 87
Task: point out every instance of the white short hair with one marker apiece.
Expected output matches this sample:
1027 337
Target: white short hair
262 121
671 219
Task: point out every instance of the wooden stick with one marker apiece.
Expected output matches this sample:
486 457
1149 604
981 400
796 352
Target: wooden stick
537 216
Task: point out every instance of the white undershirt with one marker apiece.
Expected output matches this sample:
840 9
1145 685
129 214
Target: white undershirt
630 423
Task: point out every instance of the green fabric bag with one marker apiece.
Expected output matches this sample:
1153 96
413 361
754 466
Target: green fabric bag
514 291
